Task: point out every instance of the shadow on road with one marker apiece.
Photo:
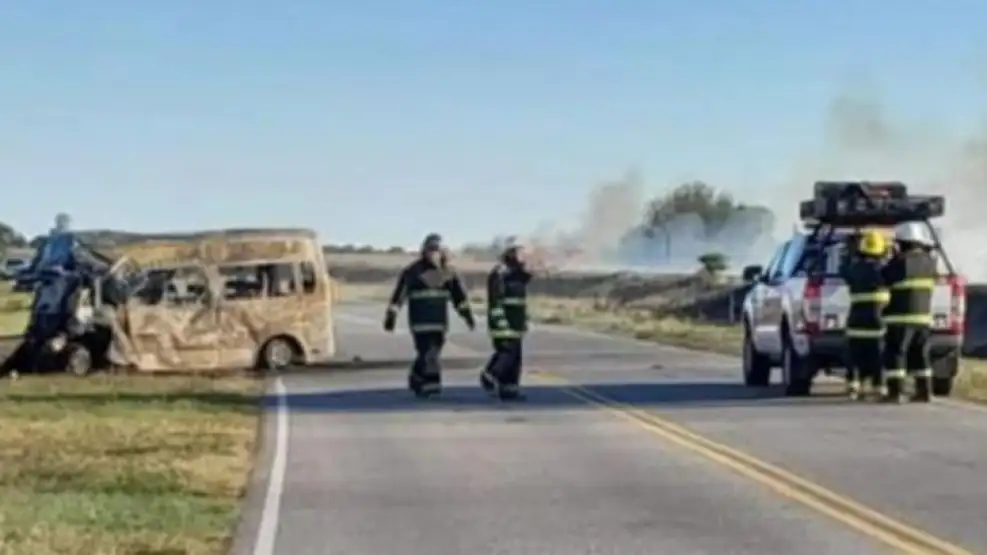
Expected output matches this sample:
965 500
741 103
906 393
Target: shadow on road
357 362
545 397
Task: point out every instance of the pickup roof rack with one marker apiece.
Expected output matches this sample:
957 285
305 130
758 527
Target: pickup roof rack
858 204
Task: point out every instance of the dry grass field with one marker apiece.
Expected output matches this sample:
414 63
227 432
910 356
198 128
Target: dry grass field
123 465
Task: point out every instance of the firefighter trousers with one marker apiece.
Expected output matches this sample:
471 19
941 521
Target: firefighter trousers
865 361
426 372
504 367
906 353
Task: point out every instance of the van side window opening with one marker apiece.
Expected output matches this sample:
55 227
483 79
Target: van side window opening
309 278
173 287
257 281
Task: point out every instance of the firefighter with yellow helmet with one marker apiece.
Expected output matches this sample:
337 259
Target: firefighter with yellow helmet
865 328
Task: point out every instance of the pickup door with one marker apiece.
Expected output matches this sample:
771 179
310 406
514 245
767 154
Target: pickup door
767 303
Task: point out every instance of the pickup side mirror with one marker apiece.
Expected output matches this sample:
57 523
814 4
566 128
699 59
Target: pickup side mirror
752 273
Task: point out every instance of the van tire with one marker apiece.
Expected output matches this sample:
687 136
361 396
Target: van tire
757 367
277 354
78 360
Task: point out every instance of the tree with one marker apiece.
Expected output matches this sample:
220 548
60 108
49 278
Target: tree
10 238
713 207
713 263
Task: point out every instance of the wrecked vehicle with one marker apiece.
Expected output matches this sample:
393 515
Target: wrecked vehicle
228 299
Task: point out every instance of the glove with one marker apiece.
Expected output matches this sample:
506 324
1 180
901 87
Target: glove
390 319
470 322
501 324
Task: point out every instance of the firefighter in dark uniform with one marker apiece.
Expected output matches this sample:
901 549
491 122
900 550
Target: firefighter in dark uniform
507 322
429 284
911 277
865 322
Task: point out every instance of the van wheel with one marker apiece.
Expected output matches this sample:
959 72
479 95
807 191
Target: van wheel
277 354
757 367
794 371
78 360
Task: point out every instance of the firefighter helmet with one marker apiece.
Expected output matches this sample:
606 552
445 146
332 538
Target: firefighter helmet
913 232
872 243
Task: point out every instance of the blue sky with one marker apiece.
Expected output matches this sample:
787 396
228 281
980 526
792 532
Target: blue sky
380 121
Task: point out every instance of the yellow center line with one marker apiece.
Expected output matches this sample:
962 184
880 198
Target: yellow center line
897 535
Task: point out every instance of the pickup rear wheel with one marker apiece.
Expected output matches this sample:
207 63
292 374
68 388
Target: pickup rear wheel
944 373
795 375
757 367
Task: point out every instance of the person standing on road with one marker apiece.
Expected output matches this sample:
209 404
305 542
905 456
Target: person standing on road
429 284
911 276
865 322
507 322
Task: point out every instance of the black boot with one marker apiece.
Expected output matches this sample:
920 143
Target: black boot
895 391
509 392
427 390
487 383
923 390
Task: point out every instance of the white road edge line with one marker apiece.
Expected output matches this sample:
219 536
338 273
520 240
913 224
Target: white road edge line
267 532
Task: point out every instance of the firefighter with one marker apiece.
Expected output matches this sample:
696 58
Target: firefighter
865 325
507 322
429 284
911 277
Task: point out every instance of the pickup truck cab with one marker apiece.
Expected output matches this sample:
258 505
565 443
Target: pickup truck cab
794 314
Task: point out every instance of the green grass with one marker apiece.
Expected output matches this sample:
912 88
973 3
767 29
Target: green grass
726 339
123 465
14 310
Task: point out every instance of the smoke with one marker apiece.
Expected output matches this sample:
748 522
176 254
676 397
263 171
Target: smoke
860 140
609 234
863 140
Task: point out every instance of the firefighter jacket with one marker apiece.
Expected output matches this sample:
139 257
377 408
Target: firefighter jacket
429 289
868 297
911 276
507 302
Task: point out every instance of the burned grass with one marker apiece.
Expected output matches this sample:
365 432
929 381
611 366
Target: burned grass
123 465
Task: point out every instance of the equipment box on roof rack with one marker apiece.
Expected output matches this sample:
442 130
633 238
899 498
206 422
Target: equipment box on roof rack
862 204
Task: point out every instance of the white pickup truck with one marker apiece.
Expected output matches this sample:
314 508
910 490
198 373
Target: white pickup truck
794 314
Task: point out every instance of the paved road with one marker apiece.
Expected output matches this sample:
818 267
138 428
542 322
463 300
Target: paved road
370 471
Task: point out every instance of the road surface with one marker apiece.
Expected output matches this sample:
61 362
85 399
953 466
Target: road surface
358 467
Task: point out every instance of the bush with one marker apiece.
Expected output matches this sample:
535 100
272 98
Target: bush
713 263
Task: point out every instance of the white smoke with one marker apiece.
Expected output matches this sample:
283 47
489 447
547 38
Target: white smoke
863 141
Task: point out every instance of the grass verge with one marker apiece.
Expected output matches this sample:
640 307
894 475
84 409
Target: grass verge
706 336
123 465
14 310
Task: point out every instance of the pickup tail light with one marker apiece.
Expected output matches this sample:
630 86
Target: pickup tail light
812 306
957 306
